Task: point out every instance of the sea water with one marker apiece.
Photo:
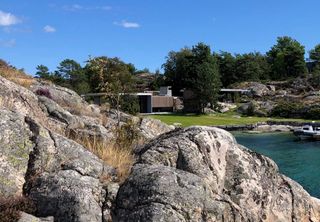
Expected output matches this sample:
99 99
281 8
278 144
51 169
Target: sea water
299 160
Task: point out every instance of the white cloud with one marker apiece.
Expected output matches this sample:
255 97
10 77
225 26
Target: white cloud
127 25
7 43
10 29
49 28
7 19
107 8
77 7
74 7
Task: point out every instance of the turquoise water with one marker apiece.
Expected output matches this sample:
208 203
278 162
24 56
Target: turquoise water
299 160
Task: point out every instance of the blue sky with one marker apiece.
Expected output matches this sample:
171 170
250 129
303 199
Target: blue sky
142 32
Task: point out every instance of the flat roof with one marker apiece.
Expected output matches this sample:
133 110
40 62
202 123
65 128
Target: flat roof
235 90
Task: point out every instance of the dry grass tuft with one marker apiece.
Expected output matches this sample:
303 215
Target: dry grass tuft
10 207
120 158
15 75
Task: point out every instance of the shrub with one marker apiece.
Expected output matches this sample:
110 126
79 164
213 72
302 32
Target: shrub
10 207
44 92
313 113
287 110
130 104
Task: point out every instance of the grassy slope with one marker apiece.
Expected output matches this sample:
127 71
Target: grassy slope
215 119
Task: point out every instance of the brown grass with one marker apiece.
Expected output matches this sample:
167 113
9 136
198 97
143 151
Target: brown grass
10 208
15 75
121 158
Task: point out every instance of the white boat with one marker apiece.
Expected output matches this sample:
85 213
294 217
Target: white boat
307 132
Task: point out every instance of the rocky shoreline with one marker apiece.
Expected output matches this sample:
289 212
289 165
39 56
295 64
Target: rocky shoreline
267 127
182 174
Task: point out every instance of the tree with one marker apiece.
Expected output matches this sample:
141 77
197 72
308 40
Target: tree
227 68
314 54
251 67
43 72
287 59
176 68
73 75
112 76
196 70
203 79
132 68
95 70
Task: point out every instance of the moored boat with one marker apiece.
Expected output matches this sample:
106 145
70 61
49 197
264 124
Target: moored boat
308 132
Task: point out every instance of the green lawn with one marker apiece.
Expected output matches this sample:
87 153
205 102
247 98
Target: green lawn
215 119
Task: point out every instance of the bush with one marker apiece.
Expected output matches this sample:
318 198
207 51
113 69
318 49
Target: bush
10 207
287 110
313 113
44 92
130 104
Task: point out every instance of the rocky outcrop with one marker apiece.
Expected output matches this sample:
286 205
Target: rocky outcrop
257 108
273 128
226 107
24 217
15 148
202 174
151 128
62 178
37 160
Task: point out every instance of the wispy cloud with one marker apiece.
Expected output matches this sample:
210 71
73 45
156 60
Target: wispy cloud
127 25
77 7
10 29
7 19
8 43
49 29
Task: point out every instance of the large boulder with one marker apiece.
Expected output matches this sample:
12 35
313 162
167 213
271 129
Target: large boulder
61 177
257 89
15 147
65 180
151 128
20 99
61 95
24 217
202 174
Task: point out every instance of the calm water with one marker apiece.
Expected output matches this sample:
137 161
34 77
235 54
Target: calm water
296 159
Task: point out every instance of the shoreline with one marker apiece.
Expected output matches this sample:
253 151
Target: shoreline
266 127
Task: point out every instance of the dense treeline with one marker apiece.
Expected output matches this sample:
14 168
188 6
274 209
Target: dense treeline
197 69
283 61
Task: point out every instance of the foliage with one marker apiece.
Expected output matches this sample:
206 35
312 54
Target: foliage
195 70
227 65
43 72
158 82
127 135
129 104
287 59
316 75
313 113
175 69
145 70
44 92
242 67
11 207
252 67
314 54
287 110
112 76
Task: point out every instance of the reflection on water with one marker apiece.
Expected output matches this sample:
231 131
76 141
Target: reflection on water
299 160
